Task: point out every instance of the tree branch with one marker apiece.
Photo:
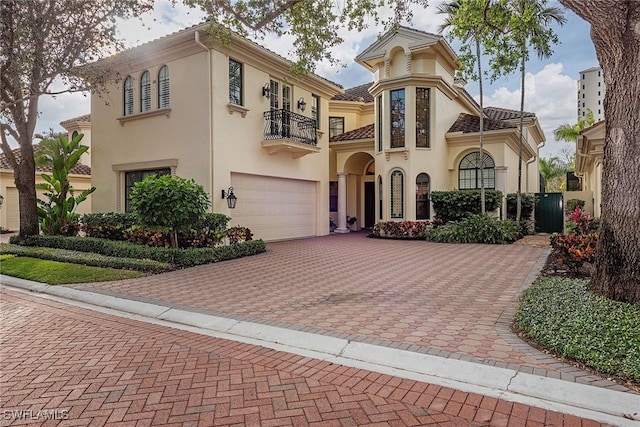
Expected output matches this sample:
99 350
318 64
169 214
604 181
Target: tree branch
6 148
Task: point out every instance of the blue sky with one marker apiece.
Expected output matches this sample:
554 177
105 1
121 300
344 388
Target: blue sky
551 90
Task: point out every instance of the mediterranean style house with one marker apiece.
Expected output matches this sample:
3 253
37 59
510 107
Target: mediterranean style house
299 150
80 176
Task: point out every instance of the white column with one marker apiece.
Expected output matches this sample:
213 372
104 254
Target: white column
342 203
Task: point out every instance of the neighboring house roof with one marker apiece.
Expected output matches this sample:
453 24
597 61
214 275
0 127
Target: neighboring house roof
86 118
78 169
358 93
497 113
592 127
365 132
467 123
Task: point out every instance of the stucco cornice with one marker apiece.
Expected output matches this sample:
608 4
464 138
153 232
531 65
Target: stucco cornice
336 106
355 145
508 136
428 80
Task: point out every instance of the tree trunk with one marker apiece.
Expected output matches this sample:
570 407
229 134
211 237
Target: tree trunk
482 196
25 180
615 31
520 142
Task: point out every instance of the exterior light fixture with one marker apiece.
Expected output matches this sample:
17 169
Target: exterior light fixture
231 198
301 104
266 90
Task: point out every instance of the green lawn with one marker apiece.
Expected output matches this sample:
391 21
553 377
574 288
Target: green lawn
60 273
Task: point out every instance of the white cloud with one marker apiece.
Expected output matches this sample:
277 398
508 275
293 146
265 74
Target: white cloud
550 94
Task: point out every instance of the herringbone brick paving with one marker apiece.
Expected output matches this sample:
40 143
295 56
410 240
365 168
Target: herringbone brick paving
442 299
98 369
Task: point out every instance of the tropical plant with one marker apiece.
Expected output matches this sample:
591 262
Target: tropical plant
554 171
617 275
43 43
56 214
168 201
570 133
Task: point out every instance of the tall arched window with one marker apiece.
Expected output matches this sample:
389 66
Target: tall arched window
469 171
74 134
145 92
423 210
397 194
128 96
380 210
163 87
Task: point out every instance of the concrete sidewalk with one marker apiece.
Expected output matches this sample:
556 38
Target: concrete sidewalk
521 389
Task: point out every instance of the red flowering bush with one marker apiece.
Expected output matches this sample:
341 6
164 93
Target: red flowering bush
572 251
401 229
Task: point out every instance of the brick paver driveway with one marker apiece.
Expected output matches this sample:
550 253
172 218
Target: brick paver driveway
62 365
410 294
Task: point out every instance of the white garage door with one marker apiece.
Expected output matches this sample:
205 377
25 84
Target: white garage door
274 208
12 210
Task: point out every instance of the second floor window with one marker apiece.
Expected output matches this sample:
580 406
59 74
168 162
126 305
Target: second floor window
128 96
163 87
315 109
422 118
397 118
235 82
336 126
145 92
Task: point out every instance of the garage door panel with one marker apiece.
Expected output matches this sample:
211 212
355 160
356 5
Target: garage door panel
275 208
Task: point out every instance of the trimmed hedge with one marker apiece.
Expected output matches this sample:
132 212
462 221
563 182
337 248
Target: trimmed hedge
527 205
457 205
94 260
476 229
177 257
400 229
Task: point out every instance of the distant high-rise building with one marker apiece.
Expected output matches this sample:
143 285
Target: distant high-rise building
591 93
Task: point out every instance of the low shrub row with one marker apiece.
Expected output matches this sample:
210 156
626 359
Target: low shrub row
400 229
563 316
177 257
207 232
476 229
91 259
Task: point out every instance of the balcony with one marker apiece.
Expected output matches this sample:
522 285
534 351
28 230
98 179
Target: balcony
289 132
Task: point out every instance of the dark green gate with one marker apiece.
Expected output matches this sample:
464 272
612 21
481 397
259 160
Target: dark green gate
549 215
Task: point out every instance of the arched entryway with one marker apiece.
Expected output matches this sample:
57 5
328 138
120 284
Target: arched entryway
360 189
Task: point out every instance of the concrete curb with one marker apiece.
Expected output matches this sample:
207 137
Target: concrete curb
603 405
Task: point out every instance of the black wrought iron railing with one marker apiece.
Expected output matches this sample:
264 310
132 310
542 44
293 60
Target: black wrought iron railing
283 124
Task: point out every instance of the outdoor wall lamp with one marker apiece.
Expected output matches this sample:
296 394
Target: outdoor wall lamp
231 198
301 104
266 90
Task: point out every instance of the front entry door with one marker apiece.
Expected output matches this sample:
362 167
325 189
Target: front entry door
369 204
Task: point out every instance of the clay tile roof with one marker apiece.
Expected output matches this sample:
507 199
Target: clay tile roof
84 118
467 123
79 169
504 113
358 93
365 132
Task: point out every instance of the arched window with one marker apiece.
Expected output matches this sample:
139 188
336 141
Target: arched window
423 210
145 92
380 210
397 194
74 134
128 96
469 171
163 87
